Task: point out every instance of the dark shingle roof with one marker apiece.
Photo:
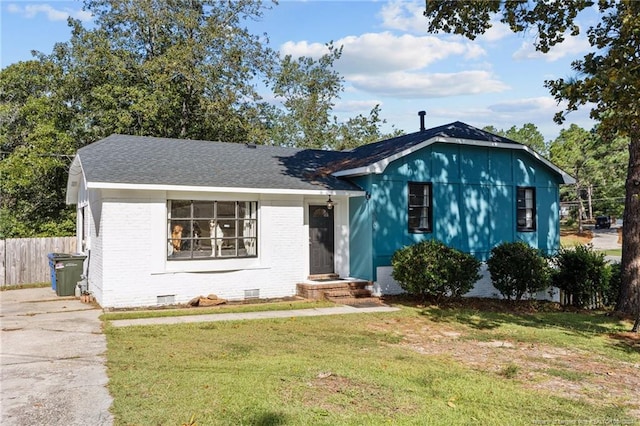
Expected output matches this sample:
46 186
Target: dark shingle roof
162 161
369 154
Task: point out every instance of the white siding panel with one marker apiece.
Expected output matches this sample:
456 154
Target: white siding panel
484 287
385 284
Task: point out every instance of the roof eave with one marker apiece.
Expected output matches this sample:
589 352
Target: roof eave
222 189
380 166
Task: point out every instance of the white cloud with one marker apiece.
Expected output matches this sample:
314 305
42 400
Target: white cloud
571 46
356 106
421 85
498 31
527 105
378 53
30 11
404 16
517 112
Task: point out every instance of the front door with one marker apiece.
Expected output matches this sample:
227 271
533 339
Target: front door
320 240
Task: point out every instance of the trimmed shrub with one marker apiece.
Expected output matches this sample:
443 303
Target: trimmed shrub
583 274
431 268
517 269
610 296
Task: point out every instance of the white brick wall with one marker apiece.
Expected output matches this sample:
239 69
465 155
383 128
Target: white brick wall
131 267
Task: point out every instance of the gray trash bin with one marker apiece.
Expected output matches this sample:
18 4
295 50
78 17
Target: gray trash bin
68 271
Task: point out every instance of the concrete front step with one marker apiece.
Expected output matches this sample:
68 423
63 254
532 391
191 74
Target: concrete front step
346 292
317 290
338 293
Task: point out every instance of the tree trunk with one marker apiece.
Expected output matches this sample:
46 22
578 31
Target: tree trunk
589 190
629 300
580 210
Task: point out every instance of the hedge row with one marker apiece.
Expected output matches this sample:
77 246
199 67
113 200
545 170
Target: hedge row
431 268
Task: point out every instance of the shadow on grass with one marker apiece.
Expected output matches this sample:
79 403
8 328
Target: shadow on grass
629 342
489 314
269 419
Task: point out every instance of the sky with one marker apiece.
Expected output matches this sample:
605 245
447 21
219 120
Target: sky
389 59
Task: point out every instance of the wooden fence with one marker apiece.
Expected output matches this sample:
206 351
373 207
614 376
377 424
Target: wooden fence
25 261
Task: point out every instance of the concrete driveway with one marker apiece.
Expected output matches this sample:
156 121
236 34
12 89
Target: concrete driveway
52 361
606 239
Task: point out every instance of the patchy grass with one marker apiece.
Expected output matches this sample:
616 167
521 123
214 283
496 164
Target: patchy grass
220 309
611 252
569 236
421 365
23 286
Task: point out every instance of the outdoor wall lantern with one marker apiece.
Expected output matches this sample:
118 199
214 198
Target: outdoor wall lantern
329 203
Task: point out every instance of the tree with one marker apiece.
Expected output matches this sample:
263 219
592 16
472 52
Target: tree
184 69
165 68
362 130
573 152
528 135
611 159
309 88
36 149
607 77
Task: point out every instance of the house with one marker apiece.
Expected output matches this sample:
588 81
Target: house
165 220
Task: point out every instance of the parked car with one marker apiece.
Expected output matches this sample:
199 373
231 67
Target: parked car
603 222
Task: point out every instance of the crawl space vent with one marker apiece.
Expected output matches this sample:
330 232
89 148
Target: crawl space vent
252 294
168 299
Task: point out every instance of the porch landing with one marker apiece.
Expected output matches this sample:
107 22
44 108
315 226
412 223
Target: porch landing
344 291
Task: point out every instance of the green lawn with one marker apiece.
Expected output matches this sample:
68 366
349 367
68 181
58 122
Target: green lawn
220 309
418 366
612 252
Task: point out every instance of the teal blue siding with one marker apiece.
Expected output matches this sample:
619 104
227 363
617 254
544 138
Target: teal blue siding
473 199
361 236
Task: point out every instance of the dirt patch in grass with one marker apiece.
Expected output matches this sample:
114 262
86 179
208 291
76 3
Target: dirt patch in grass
337 394
628 340
566 372
571 237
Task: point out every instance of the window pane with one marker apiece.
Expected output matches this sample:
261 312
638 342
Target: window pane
226 209
180 209
228 228
176 232
203 209
216 236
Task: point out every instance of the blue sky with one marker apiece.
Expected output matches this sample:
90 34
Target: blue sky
388 59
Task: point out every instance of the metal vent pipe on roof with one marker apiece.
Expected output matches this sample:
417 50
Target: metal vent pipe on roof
422 114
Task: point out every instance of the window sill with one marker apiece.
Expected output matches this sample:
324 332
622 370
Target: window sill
211 266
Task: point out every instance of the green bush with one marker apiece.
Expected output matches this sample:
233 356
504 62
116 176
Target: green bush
517 269
583 274
610 296
431 268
